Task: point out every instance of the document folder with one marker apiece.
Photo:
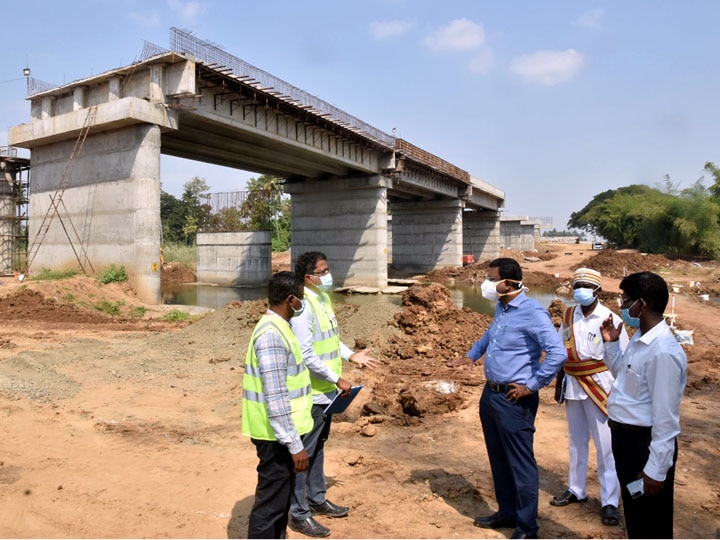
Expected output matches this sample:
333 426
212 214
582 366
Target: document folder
339 404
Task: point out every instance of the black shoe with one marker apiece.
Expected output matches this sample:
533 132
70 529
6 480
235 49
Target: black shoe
495 521
566 498
329 509
309 527
519 534
610 515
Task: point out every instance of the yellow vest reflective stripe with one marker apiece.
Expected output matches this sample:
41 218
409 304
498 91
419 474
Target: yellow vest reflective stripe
325 337
255 422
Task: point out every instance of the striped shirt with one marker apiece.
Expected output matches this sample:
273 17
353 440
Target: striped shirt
273 358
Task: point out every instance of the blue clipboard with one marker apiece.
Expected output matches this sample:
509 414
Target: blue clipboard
339 404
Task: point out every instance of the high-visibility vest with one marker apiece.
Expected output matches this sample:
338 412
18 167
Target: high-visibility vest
325 337
255 422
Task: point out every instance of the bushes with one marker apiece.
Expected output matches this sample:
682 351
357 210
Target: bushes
113 274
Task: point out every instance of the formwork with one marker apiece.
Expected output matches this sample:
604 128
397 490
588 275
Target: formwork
14 197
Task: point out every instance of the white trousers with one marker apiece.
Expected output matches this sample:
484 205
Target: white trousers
586 419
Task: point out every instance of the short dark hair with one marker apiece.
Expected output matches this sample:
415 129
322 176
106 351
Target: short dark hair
650 287
307 261
508 269
282 285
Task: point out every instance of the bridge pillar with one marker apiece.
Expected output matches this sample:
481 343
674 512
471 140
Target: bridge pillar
481 235
346 219
112 201
426 235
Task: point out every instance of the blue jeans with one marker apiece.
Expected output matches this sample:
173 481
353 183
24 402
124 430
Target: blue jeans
310 487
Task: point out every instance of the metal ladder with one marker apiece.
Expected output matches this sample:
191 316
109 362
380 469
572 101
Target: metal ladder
56 202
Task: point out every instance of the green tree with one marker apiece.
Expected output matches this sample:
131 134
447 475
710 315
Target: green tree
267 208
182 218
667 220
172 217
197 208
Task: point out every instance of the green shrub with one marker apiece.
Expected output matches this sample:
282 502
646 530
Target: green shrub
110 308
176 316
180 253
113 274
45 274
138 312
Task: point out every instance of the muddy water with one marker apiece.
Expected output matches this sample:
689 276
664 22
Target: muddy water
214 297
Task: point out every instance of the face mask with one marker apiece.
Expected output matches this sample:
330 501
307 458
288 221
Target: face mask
297 312
584 296
632 322
489 290
326 282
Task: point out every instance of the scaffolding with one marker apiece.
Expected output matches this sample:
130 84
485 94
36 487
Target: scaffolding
14 198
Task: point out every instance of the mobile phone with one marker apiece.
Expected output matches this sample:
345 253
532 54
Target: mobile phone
636 488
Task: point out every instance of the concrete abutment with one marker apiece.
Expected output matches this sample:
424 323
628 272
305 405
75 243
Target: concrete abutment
113 203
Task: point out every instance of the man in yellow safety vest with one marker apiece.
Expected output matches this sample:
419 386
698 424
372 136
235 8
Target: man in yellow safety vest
323 352
276 406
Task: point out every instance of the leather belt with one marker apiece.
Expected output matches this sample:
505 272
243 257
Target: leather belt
501 388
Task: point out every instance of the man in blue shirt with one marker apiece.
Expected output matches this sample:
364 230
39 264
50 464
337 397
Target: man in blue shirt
513 345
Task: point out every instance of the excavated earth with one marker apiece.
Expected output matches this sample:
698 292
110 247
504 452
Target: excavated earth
127 425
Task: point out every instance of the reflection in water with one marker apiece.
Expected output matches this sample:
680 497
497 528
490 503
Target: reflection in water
212 296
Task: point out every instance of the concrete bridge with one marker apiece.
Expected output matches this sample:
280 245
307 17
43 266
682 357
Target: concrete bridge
198 102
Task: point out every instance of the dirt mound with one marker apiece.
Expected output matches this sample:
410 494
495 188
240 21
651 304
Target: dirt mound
428 332
475 273
618 264
29 304
174 272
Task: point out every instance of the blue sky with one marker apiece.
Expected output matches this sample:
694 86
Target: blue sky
551 101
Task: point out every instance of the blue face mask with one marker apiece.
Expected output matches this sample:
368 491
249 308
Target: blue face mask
584 296
632 322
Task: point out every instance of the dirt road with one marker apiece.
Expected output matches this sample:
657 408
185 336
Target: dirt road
129 427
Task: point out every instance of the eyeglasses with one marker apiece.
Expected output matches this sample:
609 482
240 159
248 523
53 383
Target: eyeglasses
626 302
323 273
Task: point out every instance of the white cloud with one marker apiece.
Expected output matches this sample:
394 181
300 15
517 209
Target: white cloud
187 11
591 19
148 19
482 62
388 29
459 35
548 67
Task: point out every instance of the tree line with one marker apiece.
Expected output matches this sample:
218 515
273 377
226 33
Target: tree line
661 219
266 208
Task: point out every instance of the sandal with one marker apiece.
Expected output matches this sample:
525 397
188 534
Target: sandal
566 498
610 515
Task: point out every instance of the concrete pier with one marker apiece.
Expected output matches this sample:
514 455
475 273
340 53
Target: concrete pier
346 219
113 202
427 235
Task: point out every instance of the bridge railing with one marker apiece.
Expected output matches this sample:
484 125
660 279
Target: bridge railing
184 42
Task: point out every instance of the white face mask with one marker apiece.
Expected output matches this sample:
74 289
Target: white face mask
489 290
326 282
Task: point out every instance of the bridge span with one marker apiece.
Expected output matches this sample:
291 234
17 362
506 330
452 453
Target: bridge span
348 181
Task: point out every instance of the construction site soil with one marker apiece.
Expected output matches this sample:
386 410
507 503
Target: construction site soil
119 420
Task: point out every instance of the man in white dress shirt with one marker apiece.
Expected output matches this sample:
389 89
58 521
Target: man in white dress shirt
644 405
584 389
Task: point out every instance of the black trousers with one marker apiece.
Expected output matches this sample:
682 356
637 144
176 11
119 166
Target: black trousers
648 516
276 482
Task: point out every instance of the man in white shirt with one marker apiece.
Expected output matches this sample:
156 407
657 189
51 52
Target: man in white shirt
323 352
584 389
644 405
